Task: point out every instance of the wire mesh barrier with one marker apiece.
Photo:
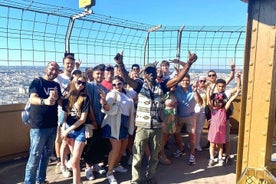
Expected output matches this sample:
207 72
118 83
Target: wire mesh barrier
32 34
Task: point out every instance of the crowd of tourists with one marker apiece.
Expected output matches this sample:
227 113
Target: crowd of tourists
99 115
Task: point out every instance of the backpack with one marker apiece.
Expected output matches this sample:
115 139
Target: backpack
25 114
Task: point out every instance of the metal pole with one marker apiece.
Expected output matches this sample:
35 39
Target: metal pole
147 41
178 47
71 25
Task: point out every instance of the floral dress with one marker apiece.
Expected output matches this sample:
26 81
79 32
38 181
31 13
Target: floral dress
170 113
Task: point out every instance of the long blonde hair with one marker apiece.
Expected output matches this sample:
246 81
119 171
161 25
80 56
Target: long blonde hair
75 96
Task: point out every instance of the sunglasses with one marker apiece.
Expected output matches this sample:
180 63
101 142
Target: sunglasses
202 81
118 84
81 83
212 75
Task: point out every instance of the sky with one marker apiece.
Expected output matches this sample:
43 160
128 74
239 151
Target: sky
171 12
155 12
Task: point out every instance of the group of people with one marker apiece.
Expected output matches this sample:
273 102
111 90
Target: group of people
132 112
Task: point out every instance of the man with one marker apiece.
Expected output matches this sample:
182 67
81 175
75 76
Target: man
212 77
97 146
89 74
61 147
149 115
44 93
108 77
187 97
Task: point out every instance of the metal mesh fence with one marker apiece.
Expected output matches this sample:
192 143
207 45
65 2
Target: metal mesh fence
33 33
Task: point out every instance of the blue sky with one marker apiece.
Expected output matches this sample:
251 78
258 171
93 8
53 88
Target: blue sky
171 12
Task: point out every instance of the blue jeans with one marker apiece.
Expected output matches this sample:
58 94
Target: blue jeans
42 146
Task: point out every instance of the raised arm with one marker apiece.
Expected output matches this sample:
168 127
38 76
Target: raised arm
172 82
197 96
228 103
119 60
238 82
232 73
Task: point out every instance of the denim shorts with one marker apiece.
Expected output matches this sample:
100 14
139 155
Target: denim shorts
78 135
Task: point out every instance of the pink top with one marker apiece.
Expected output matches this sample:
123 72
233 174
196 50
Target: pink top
217 130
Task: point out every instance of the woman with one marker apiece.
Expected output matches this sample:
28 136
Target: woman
76 108
200 110
117 124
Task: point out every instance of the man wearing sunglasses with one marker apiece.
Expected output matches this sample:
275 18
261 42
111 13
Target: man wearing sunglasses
212 77
149 115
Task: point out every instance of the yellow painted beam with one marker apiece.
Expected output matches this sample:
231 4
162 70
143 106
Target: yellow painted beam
258 100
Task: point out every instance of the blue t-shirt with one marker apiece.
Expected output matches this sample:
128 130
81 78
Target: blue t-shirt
186 101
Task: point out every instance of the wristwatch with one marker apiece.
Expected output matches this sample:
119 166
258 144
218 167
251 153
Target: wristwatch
42 101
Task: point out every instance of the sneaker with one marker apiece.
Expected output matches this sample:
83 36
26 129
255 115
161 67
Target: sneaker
111 178
129 162
192 160
179 153
99 169
120 169
89 174
211 162
228 160
43 182
164 160
52 159
68 164
220 162
65 172
198 148
57 168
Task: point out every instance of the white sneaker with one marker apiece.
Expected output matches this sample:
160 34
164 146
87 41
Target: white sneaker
69 164
99 169
111 178
89 174
65 172
120 169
